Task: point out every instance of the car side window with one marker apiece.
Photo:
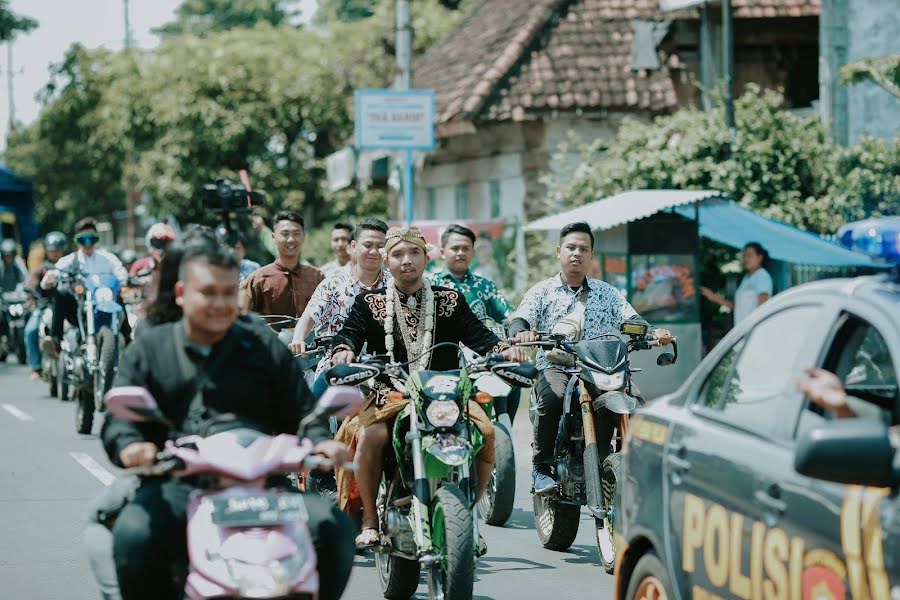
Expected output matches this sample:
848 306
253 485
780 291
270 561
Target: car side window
860 357
746 387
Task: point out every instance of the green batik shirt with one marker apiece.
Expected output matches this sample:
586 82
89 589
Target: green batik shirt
482 295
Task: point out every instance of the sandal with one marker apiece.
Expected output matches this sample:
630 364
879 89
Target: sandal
367 538
482 546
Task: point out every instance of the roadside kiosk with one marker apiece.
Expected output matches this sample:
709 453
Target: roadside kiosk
648 246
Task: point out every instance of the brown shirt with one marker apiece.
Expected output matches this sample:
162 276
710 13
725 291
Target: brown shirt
276 290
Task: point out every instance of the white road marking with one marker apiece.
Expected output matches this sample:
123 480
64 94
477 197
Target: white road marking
17 412
93 467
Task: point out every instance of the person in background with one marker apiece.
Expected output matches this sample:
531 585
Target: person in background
284 286
341 236
12 269
234 241
158 238
756 286
55 244
128 258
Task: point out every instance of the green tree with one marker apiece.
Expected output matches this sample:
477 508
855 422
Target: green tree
202 17
883 71
12 23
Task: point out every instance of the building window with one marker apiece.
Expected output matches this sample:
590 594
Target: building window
462 201
431 204
494 192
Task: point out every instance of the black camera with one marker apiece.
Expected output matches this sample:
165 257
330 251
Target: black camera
225 196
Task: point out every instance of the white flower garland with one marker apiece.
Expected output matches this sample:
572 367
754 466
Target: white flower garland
425 329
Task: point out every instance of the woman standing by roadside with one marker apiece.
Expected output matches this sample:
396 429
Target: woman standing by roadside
755 288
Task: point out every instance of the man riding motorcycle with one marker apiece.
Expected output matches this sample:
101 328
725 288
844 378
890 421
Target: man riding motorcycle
158 238
205 365
92 261
12 270
425 315
55 244
569 296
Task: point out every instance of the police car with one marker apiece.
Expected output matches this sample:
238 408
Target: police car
712 504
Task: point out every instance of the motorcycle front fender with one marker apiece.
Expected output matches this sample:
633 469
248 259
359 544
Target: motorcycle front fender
109 307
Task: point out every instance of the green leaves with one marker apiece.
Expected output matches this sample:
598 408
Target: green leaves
12 23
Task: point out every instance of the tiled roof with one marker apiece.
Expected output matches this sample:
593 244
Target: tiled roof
516 59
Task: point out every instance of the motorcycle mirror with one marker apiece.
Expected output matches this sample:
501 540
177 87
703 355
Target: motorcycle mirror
665 359
339 401
135 404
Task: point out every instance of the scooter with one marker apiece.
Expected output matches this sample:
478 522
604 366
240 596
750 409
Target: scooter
244 540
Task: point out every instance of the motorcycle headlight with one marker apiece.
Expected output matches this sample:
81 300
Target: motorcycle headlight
442 413
16 310
103 295
609 383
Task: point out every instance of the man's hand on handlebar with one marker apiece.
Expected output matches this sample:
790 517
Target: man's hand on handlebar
138 454
335 451
525 337
515 354
343 357
298 347
664 336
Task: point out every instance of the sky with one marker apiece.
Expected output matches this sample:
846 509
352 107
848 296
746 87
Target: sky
93 23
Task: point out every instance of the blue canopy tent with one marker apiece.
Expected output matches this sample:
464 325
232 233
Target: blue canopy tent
17 209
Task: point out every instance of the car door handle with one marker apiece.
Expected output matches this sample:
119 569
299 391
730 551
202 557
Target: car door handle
675 458
771 499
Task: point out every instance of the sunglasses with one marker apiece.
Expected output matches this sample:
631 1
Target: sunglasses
159 244
87 239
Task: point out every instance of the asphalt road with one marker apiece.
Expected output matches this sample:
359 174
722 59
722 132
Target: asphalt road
46 481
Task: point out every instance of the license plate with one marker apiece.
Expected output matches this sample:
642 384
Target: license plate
251 511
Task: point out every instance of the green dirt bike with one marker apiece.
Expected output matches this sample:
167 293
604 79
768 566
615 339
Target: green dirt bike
426 508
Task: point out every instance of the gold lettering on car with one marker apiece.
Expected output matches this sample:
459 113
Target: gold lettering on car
739 583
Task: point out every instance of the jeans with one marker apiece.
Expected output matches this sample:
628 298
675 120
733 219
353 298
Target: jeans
150 545
32 345
551 387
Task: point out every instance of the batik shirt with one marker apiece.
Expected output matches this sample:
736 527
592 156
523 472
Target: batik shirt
330 304
552 299
483 297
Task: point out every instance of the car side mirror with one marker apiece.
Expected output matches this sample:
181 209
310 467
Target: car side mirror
134 404
850 451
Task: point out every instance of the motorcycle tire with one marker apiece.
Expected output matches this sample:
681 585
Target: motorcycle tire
21 355
556 522
649 580
399 577
62 381
84 411
107 349
453 534
496 505
606 528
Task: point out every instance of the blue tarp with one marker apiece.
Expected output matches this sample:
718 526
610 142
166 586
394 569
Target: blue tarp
17 197
733 225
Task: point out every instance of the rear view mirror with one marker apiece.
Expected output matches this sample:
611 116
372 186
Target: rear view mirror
135 404
516 374
665 359
851 451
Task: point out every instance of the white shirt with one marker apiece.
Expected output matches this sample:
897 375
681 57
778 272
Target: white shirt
100 262
746 299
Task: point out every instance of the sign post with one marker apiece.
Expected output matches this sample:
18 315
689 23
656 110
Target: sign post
396 120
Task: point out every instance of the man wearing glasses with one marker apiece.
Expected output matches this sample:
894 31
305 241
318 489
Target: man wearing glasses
92 261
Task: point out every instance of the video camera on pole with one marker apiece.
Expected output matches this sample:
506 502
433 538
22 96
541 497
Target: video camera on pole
225 197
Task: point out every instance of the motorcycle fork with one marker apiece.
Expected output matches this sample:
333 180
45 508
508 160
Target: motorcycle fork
594 487
623 429
421 491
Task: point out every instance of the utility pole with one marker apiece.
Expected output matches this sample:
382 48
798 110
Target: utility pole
132 194
728 63
404 62
10 75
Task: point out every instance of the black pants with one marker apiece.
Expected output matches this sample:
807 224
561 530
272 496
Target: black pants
551 387
149 539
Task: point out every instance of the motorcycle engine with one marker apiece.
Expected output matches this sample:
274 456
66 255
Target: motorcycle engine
399 529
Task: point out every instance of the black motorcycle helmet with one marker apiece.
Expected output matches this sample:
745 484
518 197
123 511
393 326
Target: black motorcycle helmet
8 247
56 240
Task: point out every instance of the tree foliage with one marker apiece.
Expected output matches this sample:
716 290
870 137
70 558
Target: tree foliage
779 164
12 23
883 71
202 17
